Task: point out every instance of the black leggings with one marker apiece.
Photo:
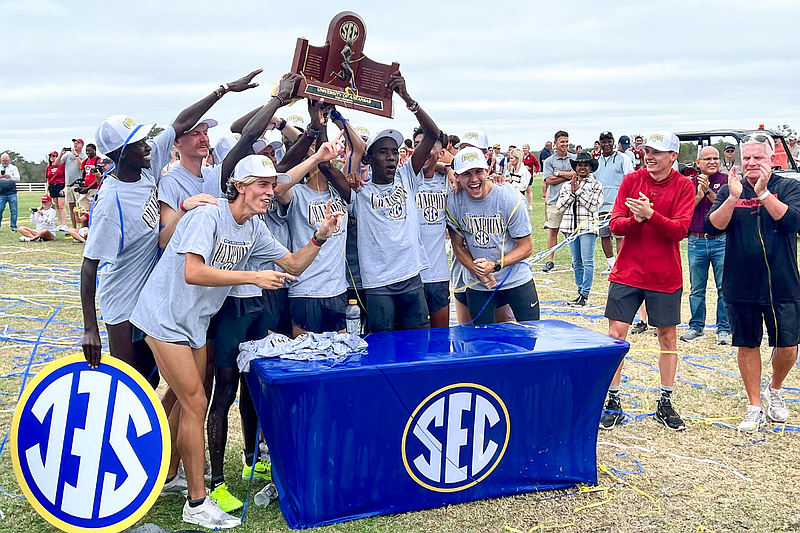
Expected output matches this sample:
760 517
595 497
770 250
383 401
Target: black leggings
137 354
227 378
523 300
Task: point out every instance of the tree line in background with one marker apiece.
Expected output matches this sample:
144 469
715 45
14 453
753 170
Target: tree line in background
33 172
30 171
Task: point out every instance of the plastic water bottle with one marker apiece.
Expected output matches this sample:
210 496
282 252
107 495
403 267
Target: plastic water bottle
353 318
266 495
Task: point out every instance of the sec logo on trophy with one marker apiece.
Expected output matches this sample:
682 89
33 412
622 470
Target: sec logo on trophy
90 448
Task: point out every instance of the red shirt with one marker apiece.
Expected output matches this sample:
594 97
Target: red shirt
650 257
531 162
54 174
88 165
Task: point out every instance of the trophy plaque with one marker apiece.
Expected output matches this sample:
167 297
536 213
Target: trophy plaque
340 73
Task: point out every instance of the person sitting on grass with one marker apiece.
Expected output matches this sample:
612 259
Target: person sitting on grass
82 218
45 218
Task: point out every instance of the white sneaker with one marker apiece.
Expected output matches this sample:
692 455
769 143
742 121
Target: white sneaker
606 272
23 238
207 514
175 487
753 420
776 405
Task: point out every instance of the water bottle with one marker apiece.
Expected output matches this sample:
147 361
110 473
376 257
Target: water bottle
353 318
266 495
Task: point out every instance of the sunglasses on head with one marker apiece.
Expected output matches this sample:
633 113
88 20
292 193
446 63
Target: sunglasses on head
759 138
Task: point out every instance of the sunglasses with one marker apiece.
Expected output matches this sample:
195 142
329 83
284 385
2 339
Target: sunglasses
759 138
729 151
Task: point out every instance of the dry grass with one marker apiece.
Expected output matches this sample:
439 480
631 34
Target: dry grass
670 494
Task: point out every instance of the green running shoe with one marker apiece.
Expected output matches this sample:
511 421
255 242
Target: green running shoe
224 499
263 471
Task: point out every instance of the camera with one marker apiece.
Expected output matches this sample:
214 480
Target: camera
79 184
3 172
67 149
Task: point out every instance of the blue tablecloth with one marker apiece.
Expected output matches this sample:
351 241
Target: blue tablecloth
433 417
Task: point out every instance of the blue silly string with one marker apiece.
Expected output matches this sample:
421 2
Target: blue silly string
487 301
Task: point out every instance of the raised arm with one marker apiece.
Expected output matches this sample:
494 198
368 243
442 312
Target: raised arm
326 152
431 132
187 118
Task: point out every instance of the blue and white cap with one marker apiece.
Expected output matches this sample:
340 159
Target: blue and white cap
118 130
253 167
469 158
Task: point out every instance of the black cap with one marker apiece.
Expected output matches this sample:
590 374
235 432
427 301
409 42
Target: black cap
606 135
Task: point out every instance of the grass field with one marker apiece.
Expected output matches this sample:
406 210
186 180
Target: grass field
707 478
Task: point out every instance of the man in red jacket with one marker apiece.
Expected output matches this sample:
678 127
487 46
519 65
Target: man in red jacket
652 213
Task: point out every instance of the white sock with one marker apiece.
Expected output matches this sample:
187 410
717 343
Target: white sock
610 262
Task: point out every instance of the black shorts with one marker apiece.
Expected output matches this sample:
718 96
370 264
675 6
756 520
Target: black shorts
392 309
437 295
747 320
238 320
523 300
56 190
276 305
319 314
663 308
461 296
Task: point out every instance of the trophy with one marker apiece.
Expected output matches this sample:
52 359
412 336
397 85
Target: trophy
340 73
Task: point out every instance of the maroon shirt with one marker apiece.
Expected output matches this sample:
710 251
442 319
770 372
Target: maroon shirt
701 210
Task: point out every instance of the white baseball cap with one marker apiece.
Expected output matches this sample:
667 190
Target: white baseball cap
272 138
391 134
297 120
663 141
362 131
469 158
227 142
118 130
475 138
253 167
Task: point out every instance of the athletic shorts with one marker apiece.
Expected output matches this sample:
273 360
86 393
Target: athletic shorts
319 314
231 326
392 309
604 232
437 295
276 307
747 322
523 300
663 308
56 190
554 217
461 297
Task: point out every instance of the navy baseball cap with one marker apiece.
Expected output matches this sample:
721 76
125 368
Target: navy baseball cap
625 141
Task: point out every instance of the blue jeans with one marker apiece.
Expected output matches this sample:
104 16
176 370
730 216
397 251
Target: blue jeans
582 250
701 252
11 200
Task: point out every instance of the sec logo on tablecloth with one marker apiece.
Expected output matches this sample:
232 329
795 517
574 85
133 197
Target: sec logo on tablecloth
90 448
456 437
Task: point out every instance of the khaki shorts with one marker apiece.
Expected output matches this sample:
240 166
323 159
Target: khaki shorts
554 217
85 200
70 196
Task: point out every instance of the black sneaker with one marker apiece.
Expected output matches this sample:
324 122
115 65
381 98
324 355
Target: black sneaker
612 414
666 415
574 300
639 327
548 266
580 301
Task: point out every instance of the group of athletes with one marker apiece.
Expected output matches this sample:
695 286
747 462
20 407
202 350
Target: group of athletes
196 261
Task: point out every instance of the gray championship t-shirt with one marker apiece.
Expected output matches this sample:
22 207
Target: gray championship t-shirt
325 277
431 200
551 165
489 227
390 247
171 310
179 184
124 237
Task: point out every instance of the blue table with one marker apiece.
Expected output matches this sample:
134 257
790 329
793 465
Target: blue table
435 417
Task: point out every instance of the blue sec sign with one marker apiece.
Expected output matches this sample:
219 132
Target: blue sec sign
456 437
90 448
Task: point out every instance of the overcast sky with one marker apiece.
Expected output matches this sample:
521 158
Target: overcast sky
519 71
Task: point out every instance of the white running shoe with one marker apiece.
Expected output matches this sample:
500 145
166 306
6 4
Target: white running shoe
753 421
776 405
207 514
177 486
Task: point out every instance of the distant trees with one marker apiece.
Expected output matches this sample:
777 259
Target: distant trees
29 171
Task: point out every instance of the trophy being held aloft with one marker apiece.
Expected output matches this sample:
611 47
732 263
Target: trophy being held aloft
340 73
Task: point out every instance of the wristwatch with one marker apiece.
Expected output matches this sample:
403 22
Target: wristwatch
556 173
497 266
